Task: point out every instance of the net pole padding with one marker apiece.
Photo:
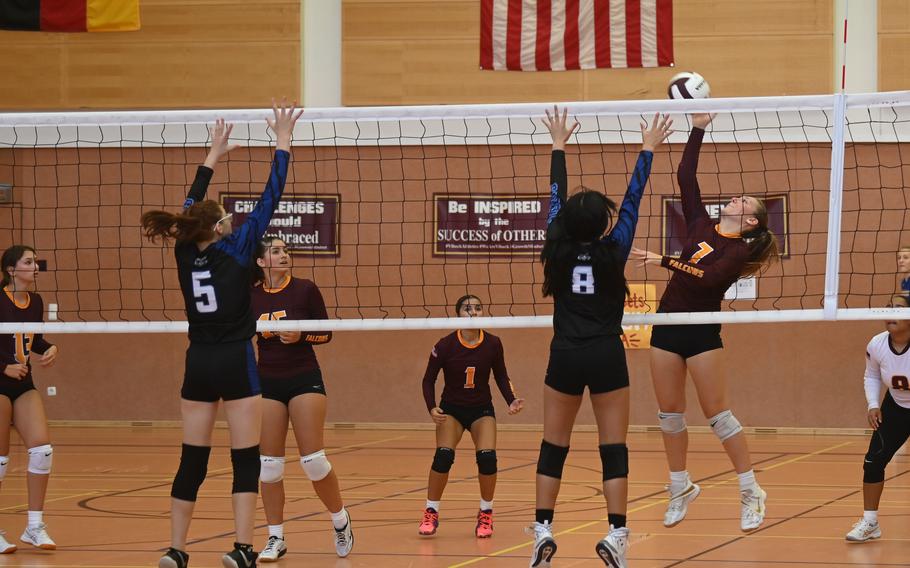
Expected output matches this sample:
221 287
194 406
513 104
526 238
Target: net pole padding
518 322
835 210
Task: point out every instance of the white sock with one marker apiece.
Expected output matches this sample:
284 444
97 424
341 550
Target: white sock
871 516
433 505
486 505
678 481
276 530
35 518
746 480
339 519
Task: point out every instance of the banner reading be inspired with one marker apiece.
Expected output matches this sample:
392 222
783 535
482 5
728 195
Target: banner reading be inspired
486 225
308 224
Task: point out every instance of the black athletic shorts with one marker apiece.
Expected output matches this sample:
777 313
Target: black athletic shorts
13 388
687 340
892 433
600 366
284 389
224 371
467 415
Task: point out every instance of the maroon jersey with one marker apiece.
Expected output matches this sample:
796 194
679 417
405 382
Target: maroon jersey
16 347
710 261
466 370
295 299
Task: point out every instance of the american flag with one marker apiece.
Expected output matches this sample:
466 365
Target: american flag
556 35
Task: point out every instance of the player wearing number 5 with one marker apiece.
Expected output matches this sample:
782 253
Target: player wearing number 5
888 363
214 266
715 255
466 358
583 259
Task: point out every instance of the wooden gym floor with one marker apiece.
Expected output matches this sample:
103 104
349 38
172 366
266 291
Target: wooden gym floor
108 503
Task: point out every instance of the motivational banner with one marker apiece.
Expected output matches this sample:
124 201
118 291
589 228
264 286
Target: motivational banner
673 228
308 224
488 225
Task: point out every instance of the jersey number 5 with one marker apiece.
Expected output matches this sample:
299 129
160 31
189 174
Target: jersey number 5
583 280
204 293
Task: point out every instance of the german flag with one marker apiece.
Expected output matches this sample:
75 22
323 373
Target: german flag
70 15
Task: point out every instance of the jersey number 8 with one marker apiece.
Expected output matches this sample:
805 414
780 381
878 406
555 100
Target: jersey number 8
583 280
204 293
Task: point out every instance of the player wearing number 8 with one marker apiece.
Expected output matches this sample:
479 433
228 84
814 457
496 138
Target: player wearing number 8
466 358
214 265
888 363
583 259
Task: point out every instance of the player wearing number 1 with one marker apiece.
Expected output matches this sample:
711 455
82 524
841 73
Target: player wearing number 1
214 266
583 261
466 358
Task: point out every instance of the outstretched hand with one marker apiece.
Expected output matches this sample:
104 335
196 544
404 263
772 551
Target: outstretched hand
283 121
221 134
659 131
558 127
702 120
644 257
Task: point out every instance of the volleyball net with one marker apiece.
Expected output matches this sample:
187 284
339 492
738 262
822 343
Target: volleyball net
396 212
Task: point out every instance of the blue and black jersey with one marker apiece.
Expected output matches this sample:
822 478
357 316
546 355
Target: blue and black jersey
216 281
580 313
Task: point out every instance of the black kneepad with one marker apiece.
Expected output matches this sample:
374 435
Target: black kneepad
194 463
614 458
552 459
873 469
443 460
486 462
246 469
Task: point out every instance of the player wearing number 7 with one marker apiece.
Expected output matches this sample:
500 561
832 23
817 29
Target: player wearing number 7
583 260
214 265
466 358
715 255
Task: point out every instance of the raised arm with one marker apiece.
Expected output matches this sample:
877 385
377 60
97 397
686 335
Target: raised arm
686 175
560 132
221 134
623 231
282 123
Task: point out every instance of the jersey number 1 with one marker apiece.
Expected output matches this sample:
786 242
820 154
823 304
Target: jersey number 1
204 293
469 377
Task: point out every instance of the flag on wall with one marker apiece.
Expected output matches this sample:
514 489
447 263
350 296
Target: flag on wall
70 15
556 35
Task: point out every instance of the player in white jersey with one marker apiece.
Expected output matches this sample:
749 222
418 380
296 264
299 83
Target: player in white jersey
888 363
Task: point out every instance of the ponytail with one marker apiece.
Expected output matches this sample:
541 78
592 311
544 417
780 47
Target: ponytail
194 224
762 243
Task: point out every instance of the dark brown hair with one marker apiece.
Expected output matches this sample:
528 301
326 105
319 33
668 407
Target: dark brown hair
194 224
11 256
761 241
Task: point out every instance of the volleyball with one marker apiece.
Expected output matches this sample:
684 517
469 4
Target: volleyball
688 85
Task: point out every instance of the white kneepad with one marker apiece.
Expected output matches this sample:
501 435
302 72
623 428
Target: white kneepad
316 465
271 469
672 422
40 459
725 425
4 462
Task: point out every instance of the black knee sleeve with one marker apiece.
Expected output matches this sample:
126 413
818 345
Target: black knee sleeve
486 462
614 458
874 468
552 459
246 469
443 460
194 463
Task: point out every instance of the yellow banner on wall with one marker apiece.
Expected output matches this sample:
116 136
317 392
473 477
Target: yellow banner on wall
642 299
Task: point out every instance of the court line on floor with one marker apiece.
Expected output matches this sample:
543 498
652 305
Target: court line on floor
641 508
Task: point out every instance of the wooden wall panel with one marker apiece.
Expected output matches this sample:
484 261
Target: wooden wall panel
421 52
893 45
189 54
